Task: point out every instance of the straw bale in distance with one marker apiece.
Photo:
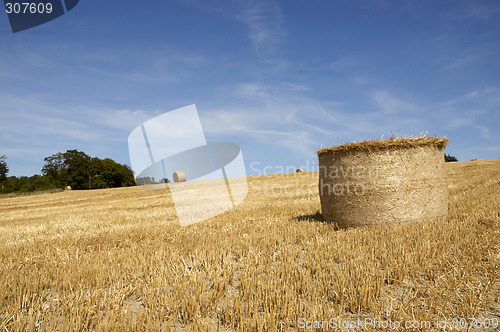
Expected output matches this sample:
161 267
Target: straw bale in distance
383 181
179 176
67 188
299 170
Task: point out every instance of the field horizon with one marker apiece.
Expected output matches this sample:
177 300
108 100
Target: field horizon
117 259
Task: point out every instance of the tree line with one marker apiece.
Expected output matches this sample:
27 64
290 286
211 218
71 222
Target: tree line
71 168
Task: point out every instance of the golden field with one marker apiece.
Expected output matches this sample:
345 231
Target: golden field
117 259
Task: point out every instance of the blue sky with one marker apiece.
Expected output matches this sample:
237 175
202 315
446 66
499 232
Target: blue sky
280 79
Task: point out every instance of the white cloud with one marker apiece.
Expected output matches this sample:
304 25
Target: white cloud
123 119
264 21
485 131
486 97
477 10
461 61
266 131
275 115
342 64
474 112
388 103
282 114
490 148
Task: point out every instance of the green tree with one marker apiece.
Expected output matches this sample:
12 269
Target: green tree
101 173
110 173
76 171
53 168
4 169
124 176
80 171
449 158
106 173
96 180
70 168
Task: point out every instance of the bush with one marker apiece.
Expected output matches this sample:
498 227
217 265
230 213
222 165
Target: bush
449 158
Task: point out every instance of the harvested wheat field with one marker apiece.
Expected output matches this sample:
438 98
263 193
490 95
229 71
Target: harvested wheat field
117 259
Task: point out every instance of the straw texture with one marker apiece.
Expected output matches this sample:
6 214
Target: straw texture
383 181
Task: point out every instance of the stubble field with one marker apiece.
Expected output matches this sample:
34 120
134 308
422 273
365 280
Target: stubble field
117 259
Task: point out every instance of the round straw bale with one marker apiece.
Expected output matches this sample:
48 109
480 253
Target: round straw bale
179 176
299 170
67 188
383 181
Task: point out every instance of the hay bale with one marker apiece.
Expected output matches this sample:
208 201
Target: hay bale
67 188
299 170
179 176
383 181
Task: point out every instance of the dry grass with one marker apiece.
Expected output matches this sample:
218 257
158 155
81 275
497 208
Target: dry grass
387 144
116 259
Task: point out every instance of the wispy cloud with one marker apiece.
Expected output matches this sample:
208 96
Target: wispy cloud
389 103
476 110
468 112
34 120
269 92
284 115
276 113
117 62
253 125
476 10
461 61
342 64
123 119
264 21
158 65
